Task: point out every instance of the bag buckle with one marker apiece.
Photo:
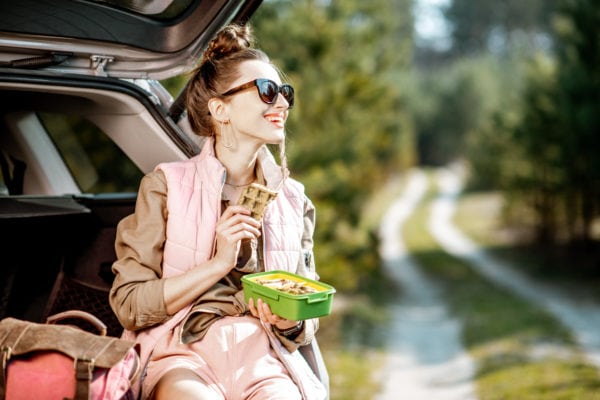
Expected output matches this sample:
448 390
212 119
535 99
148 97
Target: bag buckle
84 368
6 352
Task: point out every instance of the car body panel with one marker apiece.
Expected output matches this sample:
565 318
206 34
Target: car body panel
96 38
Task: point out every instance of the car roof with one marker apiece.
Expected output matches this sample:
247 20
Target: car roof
152 39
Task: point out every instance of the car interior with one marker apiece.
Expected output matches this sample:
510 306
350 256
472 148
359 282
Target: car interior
58 222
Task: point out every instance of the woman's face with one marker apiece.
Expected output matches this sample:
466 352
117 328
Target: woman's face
252 119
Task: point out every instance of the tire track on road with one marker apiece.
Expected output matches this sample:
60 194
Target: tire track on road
425 357
580 316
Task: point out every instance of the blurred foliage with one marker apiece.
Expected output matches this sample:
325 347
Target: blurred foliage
516 95
90 155
546 142
175 84
498 26
350 128
450 103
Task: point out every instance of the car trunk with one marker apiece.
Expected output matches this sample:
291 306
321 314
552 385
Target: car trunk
57 233
57 254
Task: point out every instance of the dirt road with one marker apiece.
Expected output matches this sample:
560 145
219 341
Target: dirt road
425 358
580 315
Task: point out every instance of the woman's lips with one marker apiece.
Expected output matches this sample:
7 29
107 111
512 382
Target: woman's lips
275 119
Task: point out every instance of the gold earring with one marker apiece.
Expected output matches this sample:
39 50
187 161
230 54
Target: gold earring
229 144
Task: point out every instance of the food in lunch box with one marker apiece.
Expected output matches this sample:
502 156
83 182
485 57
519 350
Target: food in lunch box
255 197
287 286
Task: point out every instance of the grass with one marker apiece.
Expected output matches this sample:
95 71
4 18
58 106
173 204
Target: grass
572 266
350 362
354 374
542 380
521 351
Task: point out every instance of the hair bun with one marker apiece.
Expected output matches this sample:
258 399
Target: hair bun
229 40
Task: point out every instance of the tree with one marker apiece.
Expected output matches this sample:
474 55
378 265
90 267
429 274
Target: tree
463 87
492 25
555 144
579 103
349 128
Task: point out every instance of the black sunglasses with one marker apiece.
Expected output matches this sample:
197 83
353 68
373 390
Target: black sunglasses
267 90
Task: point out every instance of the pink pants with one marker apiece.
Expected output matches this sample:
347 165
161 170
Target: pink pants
234 358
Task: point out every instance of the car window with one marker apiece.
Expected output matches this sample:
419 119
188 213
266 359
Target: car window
97 164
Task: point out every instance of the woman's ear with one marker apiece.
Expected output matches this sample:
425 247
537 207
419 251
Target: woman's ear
218 109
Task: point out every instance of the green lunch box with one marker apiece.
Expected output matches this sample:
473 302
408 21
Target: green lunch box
294 307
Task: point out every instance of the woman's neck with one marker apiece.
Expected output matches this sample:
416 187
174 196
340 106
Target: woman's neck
240 165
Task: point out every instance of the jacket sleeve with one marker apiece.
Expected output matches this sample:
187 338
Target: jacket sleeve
136 296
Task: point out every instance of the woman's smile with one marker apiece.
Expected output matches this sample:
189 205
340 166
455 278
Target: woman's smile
277 119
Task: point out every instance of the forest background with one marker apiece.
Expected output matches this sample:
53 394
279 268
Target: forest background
511 91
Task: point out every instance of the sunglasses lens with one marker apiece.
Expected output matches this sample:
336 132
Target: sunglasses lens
267 91
288 93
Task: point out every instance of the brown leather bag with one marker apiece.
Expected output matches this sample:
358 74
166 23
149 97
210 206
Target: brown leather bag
60 361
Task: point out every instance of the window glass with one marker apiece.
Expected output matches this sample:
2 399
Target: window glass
11 174
3 188
95 161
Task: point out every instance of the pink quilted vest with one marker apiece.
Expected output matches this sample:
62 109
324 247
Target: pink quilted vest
194 205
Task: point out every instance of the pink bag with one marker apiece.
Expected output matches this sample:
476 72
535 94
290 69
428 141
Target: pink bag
53 361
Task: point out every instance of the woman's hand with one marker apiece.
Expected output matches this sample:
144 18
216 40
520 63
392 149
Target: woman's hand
234 225
263 311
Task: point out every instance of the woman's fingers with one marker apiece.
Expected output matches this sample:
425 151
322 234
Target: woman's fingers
237 219
260 309
266 313
238 211
238 228
253 309
235 225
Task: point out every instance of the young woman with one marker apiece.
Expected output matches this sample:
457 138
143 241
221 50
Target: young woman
181 255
